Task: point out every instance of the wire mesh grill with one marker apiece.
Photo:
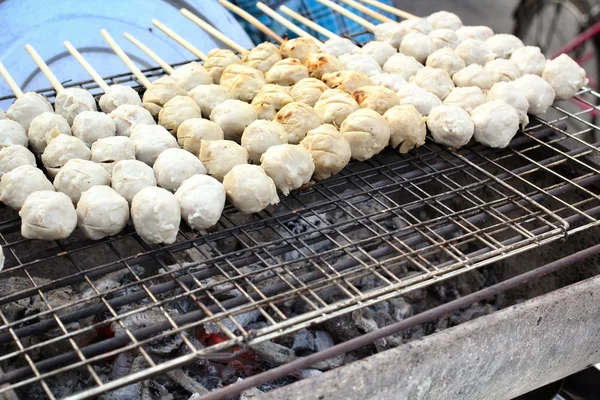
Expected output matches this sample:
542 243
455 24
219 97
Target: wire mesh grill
379 229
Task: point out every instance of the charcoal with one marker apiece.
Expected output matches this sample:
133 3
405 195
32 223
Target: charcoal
323 340
400 309
273 354
304 342
309 373
242 319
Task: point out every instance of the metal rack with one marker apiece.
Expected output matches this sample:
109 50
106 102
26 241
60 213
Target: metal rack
379 229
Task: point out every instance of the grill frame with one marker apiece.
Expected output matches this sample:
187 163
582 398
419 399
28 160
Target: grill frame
431 163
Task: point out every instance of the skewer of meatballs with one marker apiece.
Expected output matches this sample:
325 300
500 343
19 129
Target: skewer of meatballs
270 121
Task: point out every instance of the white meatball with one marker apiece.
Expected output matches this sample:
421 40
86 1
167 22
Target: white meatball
156 215
12 190
262 57
12 157
288 165
361 62
434 80
391 81
478 32
118 95
297 119
403 65
101 212
249 188
450 125
380 51
191 75
502 70
503 44
62 149
127 115
90 126
2 114
423 100
233 116
376 98
151 140
510 94
442 38
334 106
176 111
47 215
77 176
417 45
565 76
418 25
447 60
162 90
110 150
390 32
474 51
473 75
218 60
319 64
348 81
174 166
298 48
72 101
445 20
339 46
260 135
208 97
407 127
46 127
529 60
287 72
11 133
201 201
29 106
329 149
220 156
467 98
496 123
243 82
131 176
270 100
538 92
367 132
308 91
194 130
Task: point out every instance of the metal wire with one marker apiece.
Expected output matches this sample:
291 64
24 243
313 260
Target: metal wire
379 229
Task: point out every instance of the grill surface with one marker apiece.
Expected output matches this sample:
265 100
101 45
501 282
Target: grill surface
400 222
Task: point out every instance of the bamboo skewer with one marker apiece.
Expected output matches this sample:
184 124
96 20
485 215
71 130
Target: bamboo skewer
367 11
212 31
252 20
349 14
288 24
390 9
44 68
162 63
88 68
188 46
125 58
303 20
10 81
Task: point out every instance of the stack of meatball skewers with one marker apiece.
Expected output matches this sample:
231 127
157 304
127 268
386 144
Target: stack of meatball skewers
246 127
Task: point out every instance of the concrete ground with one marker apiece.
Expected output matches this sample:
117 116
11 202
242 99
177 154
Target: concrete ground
493 13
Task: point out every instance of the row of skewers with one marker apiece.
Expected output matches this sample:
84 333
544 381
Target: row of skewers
295 111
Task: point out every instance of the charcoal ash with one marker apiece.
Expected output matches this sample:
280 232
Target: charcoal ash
143 319
243 320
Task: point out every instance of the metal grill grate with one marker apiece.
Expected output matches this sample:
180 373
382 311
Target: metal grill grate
379 229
